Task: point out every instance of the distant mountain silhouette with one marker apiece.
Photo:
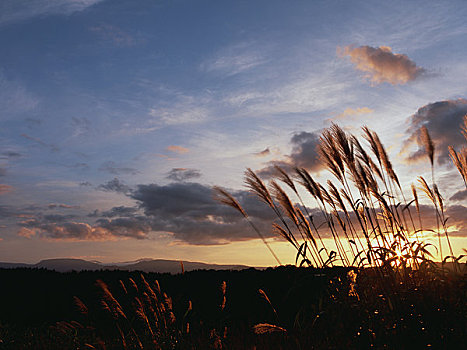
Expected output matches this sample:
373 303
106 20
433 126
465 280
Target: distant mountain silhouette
146 265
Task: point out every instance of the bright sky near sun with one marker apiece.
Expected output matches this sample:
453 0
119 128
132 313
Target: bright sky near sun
118 116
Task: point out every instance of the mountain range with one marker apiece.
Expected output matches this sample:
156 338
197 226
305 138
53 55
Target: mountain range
145 265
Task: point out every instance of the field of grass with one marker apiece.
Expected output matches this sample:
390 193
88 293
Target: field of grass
381 285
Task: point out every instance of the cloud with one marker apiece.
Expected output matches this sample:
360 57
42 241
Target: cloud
177 149
49 146
349 112
189 212
443 120
18 10
114 34
459 195
263 153
62 206
183 174
5 189
81 126
381 65
304 155
114 185
112 168
120 211
235 59
11 154
14 97
57 227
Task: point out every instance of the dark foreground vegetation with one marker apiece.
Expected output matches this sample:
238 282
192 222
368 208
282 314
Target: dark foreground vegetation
282 308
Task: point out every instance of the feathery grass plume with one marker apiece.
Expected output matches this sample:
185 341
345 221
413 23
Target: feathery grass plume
415 197
426 188
223 290
385 160
256 185
267 328
123 286
427 142
370 137
82 308
439 198
330 156
113 304
133 284
335 196
460 161
285 178
227 199
290 238
310 185
157 286
265 297
284 201
464 127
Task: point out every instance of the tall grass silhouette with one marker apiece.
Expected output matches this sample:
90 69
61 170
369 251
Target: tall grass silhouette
365 211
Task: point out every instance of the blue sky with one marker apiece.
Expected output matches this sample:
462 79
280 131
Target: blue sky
102 100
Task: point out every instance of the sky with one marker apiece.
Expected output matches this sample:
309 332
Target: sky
118 116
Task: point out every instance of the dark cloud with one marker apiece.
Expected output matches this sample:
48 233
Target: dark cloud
382 65
114 185
459 195
120 212
443 120
85 184
62 206
2 171
304 155
189 212
112 168
183 174
132 227
61 227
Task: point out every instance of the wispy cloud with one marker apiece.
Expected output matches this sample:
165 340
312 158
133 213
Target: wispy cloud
14 97
183 174
80 125
235 59
112 168
177 149
114 34
381 65
114 185
350 112
5 189
49 146
265 152
18 10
